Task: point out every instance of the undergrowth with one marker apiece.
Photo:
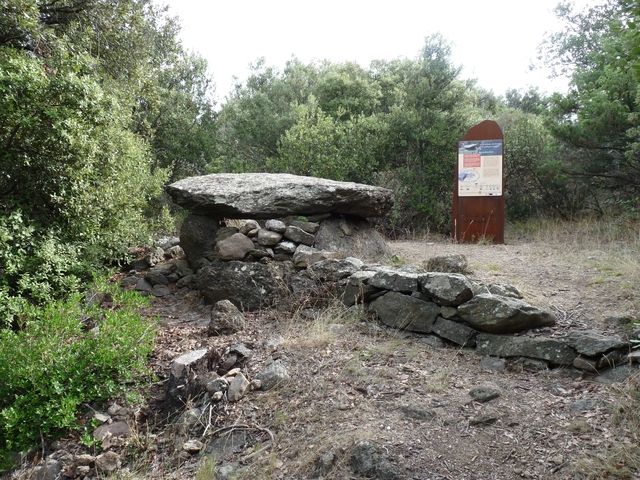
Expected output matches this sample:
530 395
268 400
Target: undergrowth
65 354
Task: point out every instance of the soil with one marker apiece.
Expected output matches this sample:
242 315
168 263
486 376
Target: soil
351 380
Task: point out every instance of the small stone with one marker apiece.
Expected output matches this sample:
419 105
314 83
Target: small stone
129 281
557 460
115 429
108 462
217 396
585 364
226 319
583 405
484 393
234 247
192 446
309 227
220 384
449 289
101 417
84 459
248 226
448 312
275 226
176 252
273 375
82 470
256 384
298 235
237 388
185 281
482 420
286 247
267 238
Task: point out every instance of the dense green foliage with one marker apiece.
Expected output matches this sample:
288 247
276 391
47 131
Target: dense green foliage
598 121
99 106
65 354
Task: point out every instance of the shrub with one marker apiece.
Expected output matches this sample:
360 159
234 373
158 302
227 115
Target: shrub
66 354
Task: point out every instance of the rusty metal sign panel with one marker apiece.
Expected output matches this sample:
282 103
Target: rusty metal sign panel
478 200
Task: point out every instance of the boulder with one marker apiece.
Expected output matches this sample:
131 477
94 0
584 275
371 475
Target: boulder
249 286
540 348
448 289
496 314
352 236
234 247
269 195
405 312
395 279
198 237
592 343
225 319
455 332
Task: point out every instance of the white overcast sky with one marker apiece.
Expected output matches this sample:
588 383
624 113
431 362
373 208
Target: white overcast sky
495 41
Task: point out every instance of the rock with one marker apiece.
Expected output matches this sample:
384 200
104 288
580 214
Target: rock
108 462
184 371
592 343
226 319
303 283
189 421
367 460
309 227
583 405
333 270
482 420
192 446
585 364
50 470
261 252
275 226
432 340
101 417
351 236
611 359
240 349
405 312
525 364
273 375
448 312
129 281
541 348
395 279
225 232
237 388
493 364
186 281
155 256
456 263
176 252
248 226
417 412
220 384
286 247
234 247
298 235
356 288
84 459
455 332
267 238
448 289
249 286
182 268
115 429
495 314
504 290
198 237
160 291
324 463
616 375
268 195
166 242
484 393
143 286
305 256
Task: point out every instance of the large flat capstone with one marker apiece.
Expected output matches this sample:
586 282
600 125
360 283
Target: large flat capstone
272 195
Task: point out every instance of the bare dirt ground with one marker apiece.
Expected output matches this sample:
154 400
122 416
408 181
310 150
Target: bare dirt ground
352 380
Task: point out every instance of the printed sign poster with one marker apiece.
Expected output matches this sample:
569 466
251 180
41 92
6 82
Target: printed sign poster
480 168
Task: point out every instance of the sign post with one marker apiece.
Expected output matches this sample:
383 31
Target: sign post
478 194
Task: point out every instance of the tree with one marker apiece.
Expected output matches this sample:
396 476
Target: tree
599 119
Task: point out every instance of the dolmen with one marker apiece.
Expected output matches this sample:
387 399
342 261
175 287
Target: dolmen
248 235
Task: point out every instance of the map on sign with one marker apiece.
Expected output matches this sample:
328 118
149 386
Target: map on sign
480 168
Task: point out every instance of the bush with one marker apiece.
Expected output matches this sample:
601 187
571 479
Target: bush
66 354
